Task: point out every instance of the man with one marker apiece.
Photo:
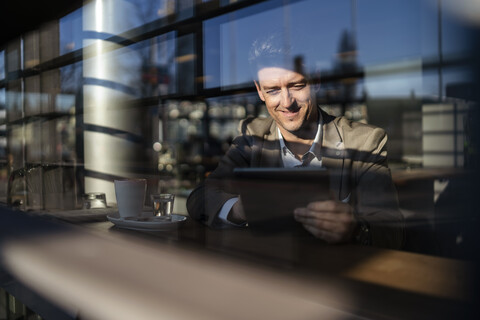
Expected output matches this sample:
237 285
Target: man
364 206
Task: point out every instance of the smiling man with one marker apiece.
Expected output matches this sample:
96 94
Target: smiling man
363 207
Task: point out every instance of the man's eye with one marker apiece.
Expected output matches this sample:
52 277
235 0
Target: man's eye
273 91
299 86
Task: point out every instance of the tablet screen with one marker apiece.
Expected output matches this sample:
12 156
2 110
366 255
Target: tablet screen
269 195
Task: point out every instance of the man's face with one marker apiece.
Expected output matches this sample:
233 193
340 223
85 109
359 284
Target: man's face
288 97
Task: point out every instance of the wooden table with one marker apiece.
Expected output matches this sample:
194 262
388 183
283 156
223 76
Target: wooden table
99 271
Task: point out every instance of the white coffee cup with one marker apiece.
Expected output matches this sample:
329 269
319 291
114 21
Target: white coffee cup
130 196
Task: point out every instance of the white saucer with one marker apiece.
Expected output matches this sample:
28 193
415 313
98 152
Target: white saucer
146 222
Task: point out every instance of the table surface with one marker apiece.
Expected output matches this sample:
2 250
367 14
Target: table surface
415 174
193 272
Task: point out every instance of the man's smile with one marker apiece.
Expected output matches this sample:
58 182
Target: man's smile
290 113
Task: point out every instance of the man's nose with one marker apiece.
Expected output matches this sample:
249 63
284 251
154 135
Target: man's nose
287 98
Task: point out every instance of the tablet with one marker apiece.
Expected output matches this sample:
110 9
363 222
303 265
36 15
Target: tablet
269 195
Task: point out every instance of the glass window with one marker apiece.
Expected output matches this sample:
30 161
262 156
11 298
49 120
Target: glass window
48 46
13 57
2 64
4 169
71 36
158 65
34 98
71 77
388 32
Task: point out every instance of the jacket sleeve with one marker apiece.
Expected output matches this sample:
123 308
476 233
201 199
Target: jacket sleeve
375 193
206 200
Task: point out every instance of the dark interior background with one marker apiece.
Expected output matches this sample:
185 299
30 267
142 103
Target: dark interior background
20 16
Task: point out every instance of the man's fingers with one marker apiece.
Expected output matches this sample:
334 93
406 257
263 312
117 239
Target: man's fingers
334 226
329 237
304 213
328 220
328 206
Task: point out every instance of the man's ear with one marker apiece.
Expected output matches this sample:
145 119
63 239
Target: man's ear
259 91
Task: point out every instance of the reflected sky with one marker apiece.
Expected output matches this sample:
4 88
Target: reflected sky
71 32
386 33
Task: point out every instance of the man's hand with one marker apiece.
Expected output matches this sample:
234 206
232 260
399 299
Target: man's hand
329 220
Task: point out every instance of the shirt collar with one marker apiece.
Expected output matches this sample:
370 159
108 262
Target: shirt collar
316 146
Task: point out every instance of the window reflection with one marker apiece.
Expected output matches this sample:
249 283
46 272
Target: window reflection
34 98
225 114
165 84
2 65
71 32
158 65
4 159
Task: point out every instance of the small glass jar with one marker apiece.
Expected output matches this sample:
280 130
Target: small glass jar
94 200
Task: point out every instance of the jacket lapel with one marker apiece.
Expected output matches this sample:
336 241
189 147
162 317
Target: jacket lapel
270 151
333 158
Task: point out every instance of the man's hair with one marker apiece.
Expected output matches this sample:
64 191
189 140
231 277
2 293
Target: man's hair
273 51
